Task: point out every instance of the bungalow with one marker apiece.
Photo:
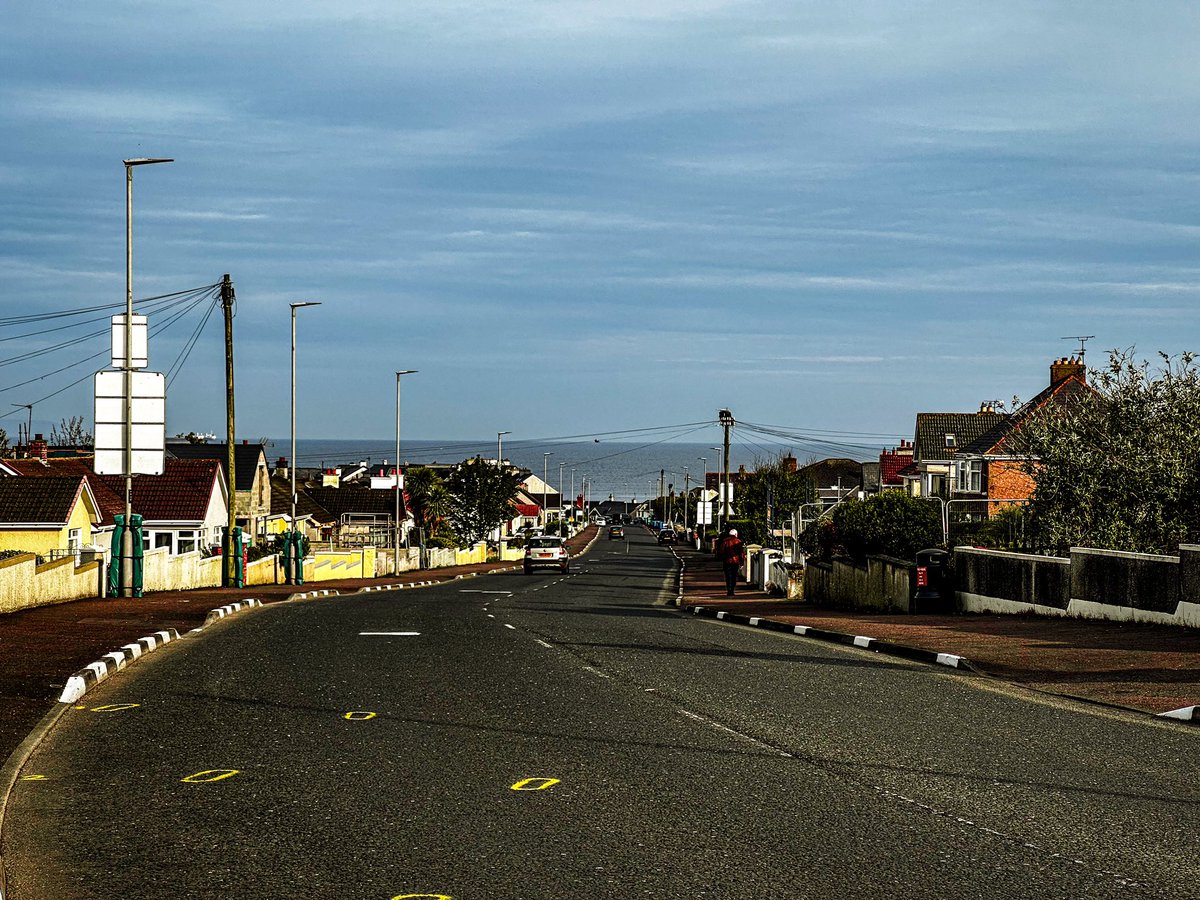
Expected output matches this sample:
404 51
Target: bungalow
936 444
252 490
184 509
51 516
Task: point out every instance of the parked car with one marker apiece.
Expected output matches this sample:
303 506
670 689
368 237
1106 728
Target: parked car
616 533
546 550
666 536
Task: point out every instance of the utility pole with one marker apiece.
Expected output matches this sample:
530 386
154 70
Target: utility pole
662 494
726 419
229 564
687 489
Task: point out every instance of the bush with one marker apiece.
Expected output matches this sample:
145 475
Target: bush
887 524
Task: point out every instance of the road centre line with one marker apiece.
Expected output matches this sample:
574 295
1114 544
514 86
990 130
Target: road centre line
725 728
595 671
389 634
544 644
513 627
502 593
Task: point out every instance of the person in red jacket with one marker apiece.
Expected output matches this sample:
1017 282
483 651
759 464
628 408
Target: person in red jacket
731 553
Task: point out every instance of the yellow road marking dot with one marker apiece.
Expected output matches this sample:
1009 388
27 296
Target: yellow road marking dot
535 784
34 777
81 707
115 707
359 715
422 897
209 775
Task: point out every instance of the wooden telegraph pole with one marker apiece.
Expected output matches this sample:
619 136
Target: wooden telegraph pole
229 564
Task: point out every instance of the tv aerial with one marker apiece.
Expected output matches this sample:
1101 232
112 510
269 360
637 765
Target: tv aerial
1083 339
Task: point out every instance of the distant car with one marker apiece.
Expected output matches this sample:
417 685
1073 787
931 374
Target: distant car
546 551
666 537
616 533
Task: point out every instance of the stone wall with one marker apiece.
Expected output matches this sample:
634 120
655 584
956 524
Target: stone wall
24 584
882 584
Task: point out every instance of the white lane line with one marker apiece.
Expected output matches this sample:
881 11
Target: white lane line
595 672
725 728
544 644
389 634
503 593
490 616
513 627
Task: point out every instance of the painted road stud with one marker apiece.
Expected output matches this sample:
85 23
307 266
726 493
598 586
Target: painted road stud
422 897
210 775
35 777
535 784
359 715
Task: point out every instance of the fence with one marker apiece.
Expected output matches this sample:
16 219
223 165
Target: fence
1094 584
883 584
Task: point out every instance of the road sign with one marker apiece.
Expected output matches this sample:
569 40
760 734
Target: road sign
704 512
140 343
149 423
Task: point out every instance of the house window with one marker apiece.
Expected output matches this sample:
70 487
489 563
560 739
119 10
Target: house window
951 442
162 539
74 539
188 541
970 476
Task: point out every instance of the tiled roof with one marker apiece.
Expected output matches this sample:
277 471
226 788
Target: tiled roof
932 428
245 458
998 440
342 500
110 501
281 501
46 500
181 494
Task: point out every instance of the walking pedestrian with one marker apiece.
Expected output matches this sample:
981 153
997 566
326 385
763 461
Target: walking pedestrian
731 553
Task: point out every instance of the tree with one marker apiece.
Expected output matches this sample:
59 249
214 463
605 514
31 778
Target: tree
480 497
71 433
888 524
1120 469
428 499
777 486
4 445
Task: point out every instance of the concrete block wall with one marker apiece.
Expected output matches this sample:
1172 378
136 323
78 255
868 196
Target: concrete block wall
24 584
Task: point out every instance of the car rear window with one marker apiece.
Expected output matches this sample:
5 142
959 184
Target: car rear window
545 542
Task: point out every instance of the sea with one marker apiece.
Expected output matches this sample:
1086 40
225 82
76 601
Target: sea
620 470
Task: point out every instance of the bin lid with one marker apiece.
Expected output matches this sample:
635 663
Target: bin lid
932 556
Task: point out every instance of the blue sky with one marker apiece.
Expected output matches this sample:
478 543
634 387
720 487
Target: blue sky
579 217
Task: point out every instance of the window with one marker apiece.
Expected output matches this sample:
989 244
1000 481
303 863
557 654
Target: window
951 442
188 541
74 539
162 539
970 476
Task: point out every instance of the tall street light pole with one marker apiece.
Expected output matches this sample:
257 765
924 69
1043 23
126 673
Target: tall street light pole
545 474
499 446
127 538
703 493
299 560
396 548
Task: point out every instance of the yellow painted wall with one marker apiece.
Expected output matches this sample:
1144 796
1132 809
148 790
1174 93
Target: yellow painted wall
42 541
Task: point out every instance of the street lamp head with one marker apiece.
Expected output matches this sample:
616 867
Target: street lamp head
406 372
304 303
145 161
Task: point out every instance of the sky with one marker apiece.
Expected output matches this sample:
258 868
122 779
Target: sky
575 216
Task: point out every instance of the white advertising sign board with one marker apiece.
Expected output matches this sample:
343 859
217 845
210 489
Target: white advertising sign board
704 515
149 423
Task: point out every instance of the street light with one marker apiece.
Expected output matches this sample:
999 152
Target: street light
298 557
396 548
127 538
545 462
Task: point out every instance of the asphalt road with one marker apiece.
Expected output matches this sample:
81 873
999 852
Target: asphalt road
555 736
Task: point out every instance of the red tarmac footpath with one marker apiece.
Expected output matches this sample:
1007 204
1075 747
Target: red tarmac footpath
41 648
1152 668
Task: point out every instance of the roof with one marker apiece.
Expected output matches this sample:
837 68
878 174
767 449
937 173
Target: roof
340 501
110 502
930 438
181 494
281 501
245 458
528 509
47 500
999 440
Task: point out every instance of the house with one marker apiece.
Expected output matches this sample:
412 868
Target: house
52 516
109 502
936 443
891 463
314 519
992 466
548 499
184 509
358 516
252 491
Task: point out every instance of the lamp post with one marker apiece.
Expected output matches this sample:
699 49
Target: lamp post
299 559
127 539
703 496
396 548
562 505
499 453
572 496
545 462
687 487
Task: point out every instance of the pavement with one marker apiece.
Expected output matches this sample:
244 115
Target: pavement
41 648
1150 668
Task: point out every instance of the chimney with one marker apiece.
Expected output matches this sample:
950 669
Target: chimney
1062 369
37 448
986 407
281 467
